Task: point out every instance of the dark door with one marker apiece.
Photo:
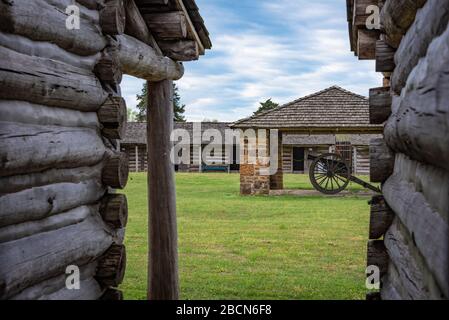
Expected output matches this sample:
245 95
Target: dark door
298 159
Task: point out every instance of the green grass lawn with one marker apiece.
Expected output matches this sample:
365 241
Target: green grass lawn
234 247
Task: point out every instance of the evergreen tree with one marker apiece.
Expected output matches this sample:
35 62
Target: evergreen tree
266 106
178 108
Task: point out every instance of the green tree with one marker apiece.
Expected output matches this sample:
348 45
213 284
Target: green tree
266 106
178 108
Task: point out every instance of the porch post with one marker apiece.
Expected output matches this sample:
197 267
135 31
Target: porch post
163 283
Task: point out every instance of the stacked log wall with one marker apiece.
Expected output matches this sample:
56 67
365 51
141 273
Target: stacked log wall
411 162
59 124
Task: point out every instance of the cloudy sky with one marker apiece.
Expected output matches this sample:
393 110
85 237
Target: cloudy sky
262 49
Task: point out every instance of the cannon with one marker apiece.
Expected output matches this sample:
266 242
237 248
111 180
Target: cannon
330 174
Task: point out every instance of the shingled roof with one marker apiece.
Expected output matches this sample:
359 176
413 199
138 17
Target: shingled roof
333 108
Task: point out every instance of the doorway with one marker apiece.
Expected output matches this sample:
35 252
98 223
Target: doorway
298 159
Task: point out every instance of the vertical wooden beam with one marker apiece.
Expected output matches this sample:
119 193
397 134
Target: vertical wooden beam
163 239
137 158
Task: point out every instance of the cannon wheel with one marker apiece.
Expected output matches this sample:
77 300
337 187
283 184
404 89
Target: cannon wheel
329 174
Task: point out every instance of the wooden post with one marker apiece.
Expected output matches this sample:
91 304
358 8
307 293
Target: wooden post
137 158
163 283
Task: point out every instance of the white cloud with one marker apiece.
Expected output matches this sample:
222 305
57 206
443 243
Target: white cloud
253 63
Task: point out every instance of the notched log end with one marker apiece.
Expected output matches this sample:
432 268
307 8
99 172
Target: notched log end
111 266
114 210
116 170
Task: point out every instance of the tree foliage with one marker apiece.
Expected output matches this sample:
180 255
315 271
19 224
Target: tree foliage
266 106
178 108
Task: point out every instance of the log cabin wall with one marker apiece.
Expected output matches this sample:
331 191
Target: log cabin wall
61 119
409 231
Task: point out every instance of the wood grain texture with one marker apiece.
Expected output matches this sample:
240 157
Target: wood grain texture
114 210
47 50
384 57
48 82
31 260
113 17
381 160
396 17
41 202
33 148
113 117
416 282
366 44
167 26
29 228
40 21
379 105
111 266
163 282
37 114
429 230
137 27
116 170
140 60
419 124
16 183
180 50
377 255
381 217
430 22
55 288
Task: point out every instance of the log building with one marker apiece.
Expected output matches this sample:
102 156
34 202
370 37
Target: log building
61 119
409 230
330 120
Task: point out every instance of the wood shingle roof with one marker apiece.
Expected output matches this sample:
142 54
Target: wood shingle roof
333 107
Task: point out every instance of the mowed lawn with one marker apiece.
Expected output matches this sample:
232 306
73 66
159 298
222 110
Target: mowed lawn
234 247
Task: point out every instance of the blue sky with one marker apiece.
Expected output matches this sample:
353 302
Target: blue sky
262 49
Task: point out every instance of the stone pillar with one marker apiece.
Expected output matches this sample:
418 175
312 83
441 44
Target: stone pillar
252 182
277 180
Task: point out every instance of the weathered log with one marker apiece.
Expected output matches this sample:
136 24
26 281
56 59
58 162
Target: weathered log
379 105
41 202
112 294
200 37
416 281
377 255
431 21
137 27
418 125
91 4
381 160
430 231
31 260
48 82
167 26
26 229
111 266
425 178
163 282
116 170
384 57
26 148
140 60
113 117
55 287
21 182
108 68
29 113
47 50
114 210
181 50
25 18
381 217
366 44
113 17
391 286
85 12
396 17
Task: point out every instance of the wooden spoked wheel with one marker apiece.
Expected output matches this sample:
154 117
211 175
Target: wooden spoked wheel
329 174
